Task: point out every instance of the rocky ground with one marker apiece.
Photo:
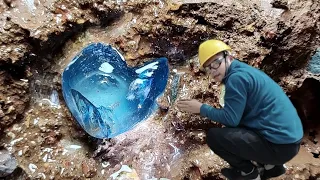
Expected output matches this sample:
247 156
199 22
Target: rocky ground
39 38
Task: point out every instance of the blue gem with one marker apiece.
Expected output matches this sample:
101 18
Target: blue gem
107 97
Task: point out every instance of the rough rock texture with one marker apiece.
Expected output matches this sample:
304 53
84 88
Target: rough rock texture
306 99
14 98
37 40
13 45
178 33
296 38
27 36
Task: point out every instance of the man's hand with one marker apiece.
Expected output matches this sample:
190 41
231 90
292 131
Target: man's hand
191 106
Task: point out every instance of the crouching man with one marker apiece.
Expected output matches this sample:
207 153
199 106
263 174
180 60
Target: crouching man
261 123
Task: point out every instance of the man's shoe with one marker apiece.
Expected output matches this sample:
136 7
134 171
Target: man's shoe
276 171
233 174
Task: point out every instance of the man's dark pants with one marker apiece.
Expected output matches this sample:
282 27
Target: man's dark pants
240 146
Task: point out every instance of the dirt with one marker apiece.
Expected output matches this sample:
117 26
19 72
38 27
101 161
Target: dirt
14 99
39 38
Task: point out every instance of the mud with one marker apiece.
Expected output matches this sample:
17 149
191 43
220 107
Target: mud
38 39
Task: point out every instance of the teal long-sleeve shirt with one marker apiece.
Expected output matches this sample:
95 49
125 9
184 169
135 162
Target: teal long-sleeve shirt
254 100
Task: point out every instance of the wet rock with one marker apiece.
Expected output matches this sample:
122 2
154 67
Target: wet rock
27 35
7 163
24 27
13 41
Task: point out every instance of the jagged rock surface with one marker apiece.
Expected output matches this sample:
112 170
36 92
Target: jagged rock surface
296 39
14 99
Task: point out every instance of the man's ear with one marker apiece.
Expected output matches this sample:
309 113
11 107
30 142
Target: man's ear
229 56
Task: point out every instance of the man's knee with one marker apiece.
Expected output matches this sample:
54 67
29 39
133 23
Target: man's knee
213 138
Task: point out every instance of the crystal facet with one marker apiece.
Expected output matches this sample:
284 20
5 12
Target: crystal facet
106 96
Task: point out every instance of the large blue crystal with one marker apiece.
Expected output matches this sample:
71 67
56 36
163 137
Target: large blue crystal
106 96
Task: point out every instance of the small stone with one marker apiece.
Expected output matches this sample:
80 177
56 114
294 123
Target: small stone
20 153
26 151
46 165
174 6
249 29
88 168
32 167
269 35
1 113
7 163
80 21
10 109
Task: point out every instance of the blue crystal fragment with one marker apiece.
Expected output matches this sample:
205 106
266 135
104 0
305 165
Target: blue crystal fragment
314 63
107 97
175 88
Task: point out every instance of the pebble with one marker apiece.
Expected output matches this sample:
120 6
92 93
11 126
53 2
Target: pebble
88 168
7 163
32 167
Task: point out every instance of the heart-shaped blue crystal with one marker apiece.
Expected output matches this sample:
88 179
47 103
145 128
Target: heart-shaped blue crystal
107 97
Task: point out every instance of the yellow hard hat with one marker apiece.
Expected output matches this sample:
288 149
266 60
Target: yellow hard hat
210 48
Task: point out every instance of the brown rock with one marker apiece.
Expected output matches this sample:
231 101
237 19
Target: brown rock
14 96
13 41
3 6
88 168
195 173
297 39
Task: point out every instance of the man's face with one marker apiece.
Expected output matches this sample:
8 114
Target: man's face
216 67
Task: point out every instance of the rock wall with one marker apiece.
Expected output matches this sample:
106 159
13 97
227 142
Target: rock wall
14 98
276 43
295 40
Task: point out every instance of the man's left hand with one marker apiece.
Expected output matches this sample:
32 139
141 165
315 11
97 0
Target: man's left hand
191 106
